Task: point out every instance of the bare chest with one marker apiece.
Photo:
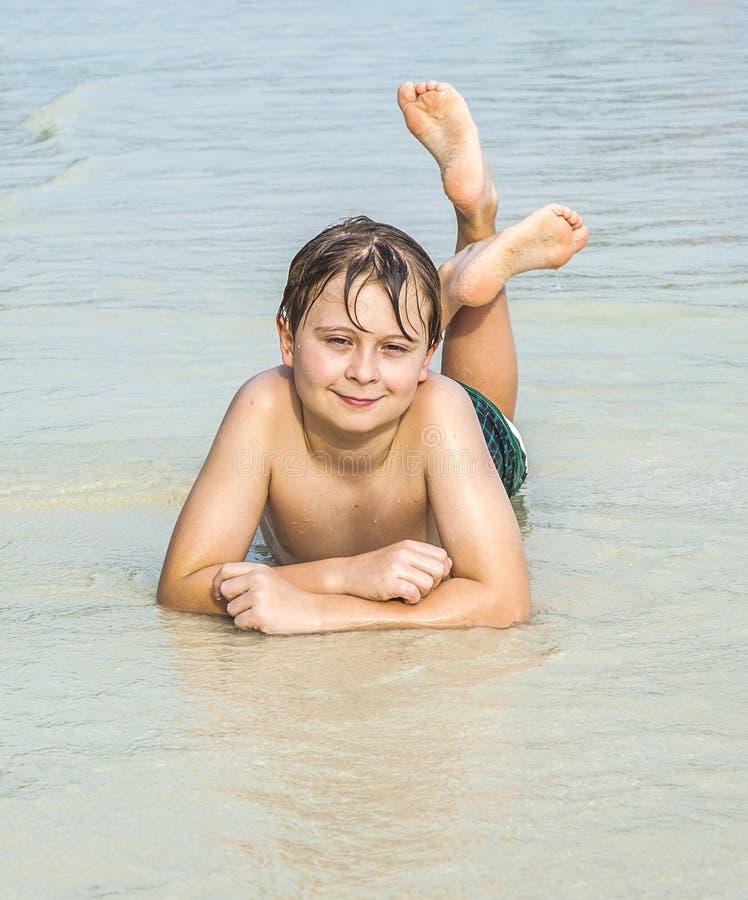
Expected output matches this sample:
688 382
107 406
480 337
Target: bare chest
324 515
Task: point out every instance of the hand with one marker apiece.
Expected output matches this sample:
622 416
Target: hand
408 570
261 600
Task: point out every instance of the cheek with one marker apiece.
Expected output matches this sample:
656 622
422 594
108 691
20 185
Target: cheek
316 364
405 378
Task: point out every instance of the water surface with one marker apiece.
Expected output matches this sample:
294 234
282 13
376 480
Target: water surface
161 163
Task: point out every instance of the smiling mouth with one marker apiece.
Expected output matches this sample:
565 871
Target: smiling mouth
357 401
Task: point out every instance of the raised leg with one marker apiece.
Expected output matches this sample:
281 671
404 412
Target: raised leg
479 345
479 350
439 117
478 342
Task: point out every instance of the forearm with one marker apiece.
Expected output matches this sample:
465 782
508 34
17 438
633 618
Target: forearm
456 603
322 576
406 570
194 592
191 593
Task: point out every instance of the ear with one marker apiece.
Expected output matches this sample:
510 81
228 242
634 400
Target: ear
423 374
286 341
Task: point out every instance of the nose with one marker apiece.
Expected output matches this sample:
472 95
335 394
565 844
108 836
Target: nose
363 366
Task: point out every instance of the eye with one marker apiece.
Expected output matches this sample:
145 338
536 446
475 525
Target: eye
338 341
395 348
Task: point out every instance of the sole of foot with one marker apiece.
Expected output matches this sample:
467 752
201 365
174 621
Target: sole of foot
437 115
547 239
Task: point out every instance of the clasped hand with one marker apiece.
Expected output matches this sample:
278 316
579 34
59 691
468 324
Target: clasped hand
258 598
408 570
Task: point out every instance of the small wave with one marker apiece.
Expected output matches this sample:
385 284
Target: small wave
46 121
97 495
75 171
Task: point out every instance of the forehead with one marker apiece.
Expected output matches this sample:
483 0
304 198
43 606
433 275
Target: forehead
370 307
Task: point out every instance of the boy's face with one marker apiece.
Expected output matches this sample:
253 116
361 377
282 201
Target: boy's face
357 381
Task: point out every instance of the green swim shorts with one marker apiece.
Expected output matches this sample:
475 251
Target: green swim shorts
503 441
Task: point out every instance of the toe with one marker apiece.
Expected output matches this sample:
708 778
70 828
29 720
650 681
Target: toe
406 93
581 236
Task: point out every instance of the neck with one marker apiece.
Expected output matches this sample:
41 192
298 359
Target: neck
349 454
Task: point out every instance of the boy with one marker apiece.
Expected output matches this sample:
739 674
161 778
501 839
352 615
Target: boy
369 475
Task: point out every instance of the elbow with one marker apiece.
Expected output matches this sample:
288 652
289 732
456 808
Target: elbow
166 596
518 617
522 608
163 597
175 592
509 611
517 611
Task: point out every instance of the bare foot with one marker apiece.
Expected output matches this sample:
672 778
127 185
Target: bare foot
545 240
438 116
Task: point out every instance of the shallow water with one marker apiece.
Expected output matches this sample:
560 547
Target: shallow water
161 164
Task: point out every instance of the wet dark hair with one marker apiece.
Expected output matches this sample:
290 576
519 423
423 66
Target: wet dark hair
380 253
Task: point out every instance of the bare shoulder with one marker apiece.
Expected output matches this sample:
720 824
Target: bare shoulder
267 397
441 401
266 390
438 391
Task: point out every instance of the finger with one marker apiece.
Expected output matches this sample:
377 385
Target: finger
246 621
405 570
425 548
215 587
421 579
409 592
436 569
233 587
240 604
432 559
226 571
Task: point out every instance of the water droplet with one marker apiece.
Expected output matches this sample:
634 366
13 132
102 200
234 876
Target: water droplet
558 280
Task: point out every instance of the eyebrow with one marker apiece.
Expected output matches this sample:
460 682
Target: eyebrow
329 329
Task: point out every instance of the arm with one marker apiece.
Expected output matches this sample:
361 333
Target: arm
475 520
259 599
479 532
221 513
407 570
